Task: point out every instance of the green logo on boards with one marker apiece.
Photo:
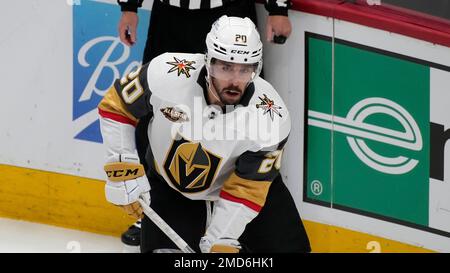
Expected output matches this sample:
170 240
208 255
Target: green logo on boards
367 131
357 131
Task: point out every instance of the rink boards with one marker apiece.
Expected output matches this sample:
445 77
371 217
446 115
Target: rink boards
358 161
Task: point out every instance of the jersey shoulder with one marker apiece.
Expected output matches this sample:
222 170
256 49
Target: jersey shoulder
171 75
268 102
271 112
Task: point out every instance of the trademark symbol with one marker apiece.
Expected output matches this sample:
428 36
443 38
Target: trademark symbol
316 187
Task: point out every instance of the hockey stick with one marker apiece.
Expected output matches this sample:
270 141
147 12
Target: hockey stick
165 227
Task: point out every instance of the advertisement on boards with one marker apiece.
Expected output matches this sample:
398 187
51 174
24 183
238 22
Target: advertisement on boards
373 145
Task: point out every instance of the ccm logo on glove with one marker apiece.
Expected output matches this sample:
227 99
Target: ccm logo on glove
122 171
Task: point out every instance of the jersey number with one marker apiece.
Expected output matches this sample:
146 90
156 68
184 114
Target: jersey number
240 38
273 160
132 89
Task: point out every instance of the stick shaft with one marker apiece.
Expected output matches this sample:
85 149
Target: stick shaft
165 228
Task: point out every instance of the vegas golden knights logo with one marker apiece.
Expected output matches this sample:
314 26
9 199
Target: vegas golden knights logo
190 167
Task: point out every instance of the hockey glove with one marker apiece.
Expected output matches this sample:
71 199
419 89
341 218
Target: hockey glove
211 245
126 182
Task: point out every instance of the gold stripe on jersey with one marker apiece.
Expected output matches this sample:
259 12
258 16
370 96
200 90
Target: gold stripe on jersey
112 103
251 190
224 249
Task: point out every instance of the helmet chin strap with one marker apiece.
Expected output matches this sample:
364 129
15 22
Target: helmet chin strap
209 84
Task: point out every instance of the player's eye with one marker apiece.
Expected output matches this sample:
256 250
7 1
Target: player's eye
226 68
245 70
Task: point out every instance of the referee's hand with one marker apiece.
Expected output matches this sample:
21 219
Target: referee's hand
278 28
127 27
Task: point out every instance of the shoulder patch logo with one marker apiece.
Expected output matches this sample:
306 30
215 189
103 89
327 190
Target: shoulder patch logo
174 115
269 106
181 66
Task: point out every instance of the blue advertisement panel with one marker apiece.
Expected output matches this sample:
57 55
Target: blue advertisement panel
98 59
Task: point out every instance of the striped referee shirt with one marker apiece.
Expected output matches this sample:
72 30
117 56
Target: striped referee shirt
274 7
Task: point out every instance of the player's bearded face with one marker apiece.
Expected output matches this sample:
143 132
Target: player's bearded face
230 80
228 93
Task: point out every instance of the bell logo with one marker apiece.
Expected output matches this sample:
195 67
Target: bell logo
358 131
98 59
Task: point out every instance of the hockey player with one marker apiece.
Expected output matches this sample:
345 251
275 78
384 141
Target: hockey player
216 142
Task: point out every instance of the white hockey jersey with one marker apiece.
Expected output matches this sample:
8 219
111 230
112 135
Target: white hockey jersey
200 150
